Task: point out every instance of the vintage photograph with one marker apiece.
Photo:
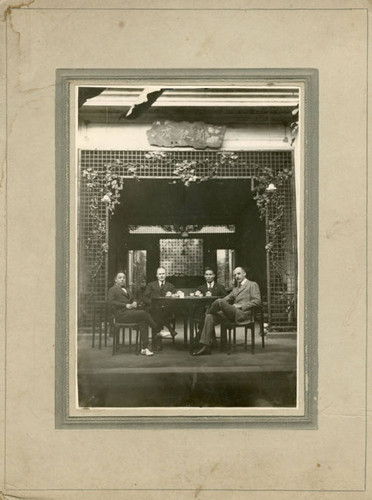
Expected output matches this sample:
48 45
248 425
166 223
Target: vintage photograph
187 245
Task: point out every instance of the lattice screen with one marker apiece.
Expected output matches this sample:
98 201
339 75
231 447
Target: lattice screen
182 257
281 272
244 167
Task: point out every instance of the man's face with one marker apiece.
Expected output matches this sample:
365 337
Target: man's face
209 276
160 274
120 279
239 274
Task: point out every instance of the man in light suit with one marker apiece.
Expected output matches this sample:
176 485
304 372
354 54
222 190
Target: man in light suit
125 311
160 288
236 306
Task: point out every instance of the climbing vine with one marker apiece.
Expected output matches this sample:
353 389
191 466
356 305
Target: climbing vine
188 171
104 189
270 200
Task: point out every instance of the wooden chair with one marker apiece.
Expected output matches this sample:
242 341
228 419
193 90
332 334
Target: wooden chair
100 319
229 329
123 327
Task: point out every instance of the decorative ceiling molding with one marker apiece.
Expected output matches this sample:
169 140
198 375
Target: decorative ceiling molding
222 97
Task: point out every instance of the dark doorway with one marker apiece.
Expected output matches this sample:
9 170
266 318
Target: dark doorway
216 203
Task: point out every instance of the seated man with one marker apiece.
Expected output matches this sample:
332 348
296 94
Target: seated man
125 311
236 306
211 286
160 288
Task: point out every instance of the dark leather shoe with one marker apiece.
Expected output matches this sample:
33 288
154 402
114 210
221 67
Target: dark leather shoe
204 351
174 333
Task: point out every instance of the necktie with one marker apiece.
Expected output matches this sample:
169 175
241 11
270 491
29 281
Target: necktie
162 288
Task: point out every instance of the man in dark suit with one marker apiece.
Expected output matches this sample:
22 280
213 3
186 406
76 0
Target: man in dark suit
160 288
211 287
236 306
125 310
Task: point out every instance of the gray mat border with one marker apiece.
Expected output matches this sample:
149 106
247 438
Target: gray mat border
64 77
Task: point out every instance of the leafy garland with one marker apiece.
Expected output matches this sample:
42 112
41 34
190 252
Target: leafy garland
270 201
106 186
187 170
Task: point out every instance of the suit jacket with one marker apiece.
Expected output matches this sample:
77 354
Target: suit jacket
217 290
118 299
153 290
248 295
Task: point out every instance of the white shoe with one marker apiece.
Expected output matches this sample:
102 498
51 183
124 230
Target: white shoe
146 352
164 334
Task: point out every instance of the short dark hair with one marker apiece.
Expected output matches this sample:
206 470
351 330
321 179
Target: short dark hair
209 269
120 272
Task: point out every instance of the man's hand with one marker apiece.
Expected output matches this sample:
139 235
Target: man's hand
237 306
134 305
168 294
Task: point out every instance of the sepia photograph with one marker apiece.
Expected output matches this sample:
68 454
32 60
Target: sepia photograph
187 245
185 251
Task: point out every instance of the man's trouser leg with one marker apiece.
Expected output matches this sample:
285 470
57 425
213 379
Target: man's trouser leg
228 310
209 323
219 312
143 319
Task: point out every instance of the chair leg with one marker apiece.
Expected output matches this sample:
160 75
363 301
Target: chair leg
138 341
153 339
252 339
223 336
245 338
115 339
262 328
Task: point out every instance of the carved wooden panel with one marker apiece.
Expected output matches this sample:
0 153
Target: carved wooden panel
198 135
